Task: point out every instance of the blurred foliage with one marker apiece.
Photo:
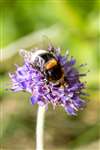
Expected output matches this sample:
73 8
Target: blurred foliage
78 23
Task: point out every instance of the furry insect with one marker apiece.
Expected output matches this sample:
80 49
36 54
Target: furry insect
46 62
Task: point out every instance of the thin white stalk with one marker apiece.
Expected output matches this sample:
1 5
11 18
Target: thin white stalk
40 127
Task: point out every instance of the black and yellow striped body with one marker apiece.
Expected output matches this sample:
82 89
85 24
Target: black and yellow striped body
53 70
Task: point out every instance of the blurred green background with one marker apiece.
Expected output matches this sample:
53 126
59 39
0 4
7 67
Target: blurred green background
69 24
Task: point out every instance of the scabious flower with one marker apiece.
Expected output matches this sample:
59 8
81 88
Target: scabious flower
68 94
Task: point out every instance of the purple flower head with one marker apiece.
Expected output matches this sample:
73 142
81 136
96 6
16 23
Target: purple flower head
32 78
